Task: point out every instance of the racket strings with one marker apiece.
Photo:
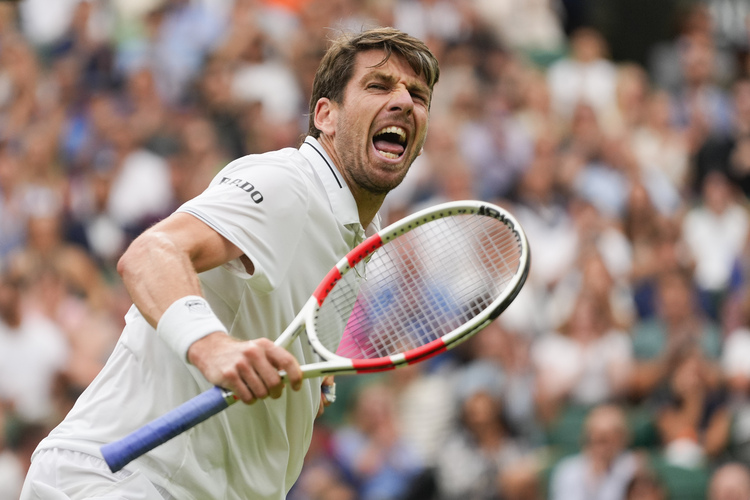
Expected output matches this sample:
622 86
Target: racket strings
419 287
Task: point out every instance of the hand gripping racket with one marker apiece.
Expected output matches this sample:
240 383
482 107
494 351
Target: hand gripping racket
413 290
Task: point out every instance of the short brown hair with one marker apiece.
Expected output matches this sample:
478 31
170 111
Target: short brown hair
337 66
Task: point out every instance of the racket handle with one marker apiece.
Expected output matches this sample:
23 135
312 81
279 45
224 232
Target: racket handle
120 453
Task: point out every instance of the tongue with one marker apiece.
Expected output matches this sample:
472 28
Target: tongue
388 147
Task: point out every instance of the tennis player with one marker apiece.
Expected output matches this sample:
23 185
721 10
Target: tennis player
217 281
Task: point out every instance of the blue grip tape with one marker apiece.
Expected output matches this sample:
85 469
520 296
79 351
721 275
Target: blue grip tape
120 453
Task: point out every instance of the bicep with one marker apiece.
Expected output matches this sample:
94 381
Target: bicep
161 265
205 247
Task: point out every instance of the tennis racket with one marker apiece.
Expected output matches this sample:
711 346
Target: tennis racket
415 289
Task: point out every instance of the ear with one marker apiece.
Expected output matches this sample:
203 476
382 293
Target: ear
325 116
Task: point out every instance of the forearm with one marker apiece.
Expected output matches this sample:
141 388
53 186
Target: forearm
156 273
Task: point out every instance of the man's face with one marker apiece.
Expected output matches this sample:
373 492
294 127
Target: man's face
380 126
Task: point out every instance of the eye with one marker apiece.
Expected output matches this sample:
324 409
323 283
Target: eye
377 86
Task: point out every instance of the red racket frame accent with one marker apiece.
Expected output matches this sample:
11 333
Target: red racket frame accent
357 255
364 249
373 365
391 362
426 351
326 285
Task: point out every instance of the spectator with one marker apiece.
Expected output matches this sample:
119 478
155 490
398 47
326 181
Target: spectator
645 485
694 420
85 50
179 34
662 253
627 111
534 108
321 478
584 364
665 58
44 26
199 158
715 233
372 450
90 331
501 355
592 275
541 210
729 153
605 467
645 230
213 94
148 116
659 146
596 360
47 248
425 406
735 368
474 457
699 105
133 169
12 203
263 76
19 68
585 77
430 20
496 147
730 482
532 28
678 326
33 354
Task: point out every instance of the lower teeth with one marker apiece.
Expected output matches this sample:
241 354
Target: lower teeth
388 155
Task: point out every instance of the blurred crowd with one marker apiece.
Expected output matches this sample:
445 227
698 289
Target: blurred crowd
622 370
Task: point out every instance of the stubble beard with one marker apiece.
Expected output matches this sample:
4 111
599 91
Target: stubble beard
377 186
365 176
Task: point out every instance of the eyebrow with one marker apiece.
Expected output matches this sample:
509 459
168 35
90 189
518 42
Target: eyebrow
416 86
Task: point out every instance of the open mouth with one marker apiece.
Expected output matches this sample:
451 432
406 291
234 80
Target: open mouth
390 142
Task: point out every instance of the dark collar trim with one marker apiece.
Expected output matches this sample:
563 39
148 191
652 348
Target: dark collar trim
330 167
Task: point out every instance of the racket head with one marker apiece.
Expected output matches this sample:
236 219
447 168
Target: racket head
417 288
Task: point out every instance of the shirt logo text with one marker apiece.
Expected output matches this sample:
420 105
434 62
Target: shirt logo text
255 195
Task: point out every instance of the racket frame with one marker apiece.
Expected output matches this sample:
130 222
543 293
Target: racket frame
338 365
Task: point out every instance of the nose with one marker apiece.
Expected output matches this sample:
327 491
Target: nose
401 100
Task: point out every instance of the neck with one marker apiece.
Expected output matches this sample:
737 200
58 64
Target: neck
368 204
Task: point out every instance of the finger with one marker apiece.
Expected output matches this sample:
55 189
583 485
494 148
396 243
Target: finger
328 393
284 360
328 390
237 385
270 377
253 383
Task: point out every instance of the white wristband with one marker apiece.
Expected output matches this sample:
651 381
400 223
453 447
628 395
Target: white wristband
188 319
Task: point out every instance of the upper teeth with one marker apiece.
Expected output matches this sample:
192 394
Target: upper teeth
394 130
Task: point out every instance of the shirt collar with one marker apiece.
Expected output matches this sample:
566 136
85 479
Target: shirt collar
342 201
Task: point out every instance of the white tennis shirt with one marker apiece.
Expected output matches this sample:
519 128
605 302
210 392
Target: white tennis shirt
293 215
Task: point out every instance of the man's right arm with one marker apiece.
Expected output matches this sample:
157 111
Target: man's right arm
161 266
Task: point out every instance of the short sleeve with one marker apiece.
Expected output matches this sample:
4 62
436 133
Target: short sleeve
259 203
